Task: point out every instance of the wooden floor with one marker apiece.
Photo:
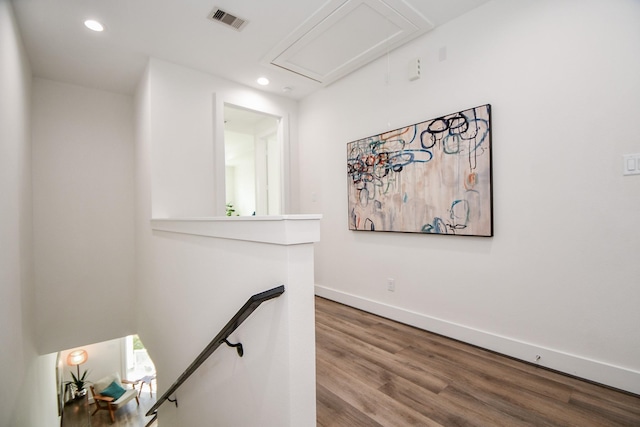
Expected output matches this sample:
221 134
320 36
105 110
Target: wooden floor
375 372
130 415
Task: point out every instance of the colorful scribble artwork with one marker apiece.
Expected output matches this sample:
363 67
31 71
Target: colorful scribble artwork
430 177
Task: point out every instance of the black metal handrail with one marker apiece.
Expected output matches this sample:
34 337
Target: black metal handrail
242 314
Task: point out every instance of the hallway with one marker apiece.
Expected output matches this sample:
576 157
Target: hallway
375 372
372 372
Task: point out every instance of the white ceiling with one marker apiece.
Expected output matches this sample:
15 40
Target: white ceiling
61 48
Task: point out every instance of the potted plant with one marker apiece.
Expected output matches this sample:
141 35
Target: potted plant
230 210
78 384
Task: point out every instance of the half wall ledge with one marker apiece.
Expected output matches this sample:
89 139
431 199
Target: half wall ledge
277 229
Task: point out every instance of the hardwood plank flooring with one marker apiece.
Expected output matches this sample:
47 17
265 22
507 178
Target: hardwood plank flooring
130 415
372 371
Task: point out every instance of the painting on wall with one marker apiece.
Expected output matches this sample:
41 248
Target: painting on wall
432 177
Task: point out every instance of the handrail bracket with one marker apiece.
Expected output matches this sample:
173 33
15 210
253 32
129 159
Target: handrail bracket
238 347
242 314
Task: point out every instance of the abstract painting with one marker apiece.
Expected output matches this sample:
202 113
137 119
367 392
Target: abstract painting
431 177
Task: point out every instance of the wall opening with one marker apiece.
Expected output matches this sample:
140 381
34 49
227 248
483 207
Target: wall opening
253 162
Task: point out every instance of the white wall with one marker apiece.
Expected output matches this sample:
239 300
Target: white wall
186 110
245 185
83 214
37 403
104 358
241 173
210 279
16 279
560 277
28 393
190 286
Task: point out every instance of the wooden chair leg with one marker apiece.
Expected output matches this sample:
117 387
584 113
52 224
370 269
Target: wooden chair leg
113 418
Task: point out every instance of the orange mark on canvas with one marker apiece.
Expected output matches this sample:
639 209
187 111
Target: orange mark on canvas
471 181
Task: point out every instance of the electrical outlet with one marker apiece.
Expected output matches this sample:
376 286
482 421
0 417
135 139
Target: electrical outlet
391 284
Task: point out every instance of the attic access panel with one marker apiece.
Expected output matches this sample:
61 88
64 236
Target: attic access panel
344 35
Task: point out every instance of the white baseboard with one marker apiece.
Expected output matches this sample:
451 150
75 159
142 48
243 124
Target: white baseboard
582 367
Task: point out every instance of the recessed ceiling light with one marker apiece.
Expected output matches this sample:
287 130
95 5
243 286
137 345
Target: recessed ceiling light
93 25
263 81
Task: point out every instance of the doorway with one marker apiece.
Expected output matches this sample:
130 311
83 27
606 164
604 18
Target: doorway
137 360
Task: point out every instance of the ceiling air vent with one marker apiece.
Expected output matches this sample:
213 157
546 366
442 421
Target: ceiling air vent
223 17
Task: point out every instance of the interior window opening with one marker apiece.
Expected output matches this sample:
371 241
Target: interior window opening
253 166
